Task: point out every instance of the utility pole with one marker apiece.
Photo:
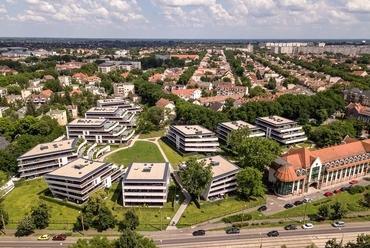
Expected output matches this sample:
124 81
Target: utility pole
161 218
243 216
305 212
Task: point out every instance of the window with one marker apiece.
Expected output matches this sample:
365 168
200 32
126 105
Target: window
315 173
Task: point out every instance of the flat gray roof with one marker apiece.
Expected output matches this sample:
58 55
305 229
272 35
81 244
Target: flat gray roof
51 147
102 110
88 122
71 171
147 171
276 120
192 129
235 125
224 166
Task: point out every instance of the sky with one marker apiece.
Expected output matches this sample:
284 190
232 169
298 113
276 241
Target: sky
186 19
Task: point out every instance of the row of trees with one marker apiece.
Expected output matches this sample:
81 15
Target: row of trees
38 219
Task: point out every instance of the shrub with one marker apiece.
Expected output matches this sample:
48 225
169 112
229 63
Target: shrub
68 234
356 189
368 187
236 218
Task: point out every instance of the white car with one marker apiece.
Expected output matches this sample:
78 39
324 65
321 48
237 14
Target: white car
307 226
339 224
307 200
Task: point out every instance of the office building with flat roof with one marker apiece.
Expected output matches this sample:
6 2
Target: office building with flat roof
119 103
225 128
283 130
99 131
146 184
78 179
124 117
47 157
193 138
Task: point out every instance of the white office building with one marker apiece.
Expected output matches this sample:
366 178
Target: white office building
146 184
225 128
124 117
119 103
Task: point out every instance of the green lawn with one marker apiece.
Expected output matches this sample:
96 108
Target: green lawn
153 134
211 210
142 151
19 201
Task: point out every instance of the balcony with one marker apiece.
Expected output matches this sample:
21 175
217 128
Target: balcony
38 172
215 193
288 135
143 194
143 187
200 139
46 158
222 186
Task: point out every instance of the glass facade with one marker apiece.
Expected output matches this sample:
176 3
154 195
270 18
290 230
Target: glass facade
315 174
283 188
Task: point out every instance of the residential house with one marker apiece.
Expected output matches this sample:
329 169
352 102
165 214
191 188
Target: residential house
80 77
48 77
41 98
188 93
217 106
169 108
359 112
146 184
69 66
357 96
2 110
360 73
59 115
228 89
65 80
156 77
3 91
123 89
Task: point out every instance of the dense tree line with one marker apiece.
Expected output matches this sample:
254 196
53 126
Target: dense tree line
186 75
235 64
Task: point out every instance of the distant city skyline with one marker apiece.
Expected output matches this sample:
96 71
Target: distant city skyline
186 19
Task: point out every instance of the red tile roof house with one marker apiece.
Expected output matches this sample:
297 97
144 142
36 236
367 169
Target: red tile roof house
169 108
188 93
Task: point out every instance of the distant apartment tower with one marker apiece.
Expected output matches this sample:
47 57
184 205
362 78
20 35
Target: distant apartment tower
283 130
122 116
225 128
146 184
47 157
77 180
123 89
193 138
119 103
99 131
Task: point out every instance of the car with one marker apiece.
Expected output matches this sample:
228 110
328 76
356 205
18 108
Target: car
353 182
297 203
44 237
339 224
199 233
337 191
61 237
328 193
262 208
290 227
307 226
307 200
233 230
273 233
344 189
288 205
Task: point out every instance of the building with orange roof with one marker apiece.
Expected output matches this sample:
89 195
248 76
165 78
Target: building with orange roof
359 112
185 56
301 171
169 108
360 73
188 93
80 77
156 77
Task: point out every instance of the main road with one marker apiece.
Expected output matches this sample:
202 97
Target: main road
247 238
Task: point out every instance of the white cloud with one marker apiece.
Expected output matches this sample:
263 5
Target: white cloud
360 6
3 11
11 1
182 3
33 1
33 18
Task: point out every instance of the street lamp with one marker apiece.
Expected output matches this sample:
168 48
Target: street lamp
305 213
341 241
243 215
261 240
161 217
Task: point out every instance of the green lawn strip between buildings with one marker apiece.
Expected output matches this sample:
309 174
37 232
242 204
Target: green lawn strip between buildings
140 152
153 134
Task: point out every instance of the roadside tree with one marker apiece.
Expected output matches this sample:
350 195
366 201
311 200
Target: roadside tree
250 182
41 215
25 226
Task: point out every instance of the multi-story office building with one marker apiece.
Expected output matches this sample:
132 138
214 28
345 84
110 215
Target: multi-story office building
122 116
223 178
300 170
47 157
119 103
146 183
281 129
99 130
193 138
225 128
78 179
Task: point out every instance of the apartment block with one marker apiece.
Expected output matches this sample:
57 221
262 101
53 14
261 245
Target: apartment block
193 138
47 157
99 131
124 117
225 128
146 184
119 103
281 129
123 89
223 178
78 179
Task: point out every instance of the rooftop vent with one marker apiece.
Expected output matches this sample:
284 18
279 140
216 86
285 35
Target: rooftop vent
198 132
91 162
234 122
147 169
136 168
55 146
79 166
80 172
86 162
42 147
215 163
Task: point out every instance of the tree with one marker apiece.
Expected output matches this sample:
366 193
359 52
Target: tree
131 220
237 137
258 152
41 215
196 176
311 246
324 211
130 239
339 210
367 199
3 215
321 115
250 182
104 219
95 242
25 226
332 243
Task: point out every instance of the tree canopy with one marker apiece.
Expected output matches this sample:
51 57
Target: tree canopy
250 183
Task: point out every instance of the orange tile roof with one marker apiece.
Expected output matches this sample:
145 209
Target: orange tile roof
186 92
47 93
162 102
185 56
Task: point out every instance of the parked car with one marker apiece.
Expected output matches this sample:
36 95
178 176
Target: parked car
307 226
353 182
61 237
44 237
262 208
339 224
273 233
344 189
297 203
328 193
233 230
337 191
199 233
288 205
307 200
290 227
